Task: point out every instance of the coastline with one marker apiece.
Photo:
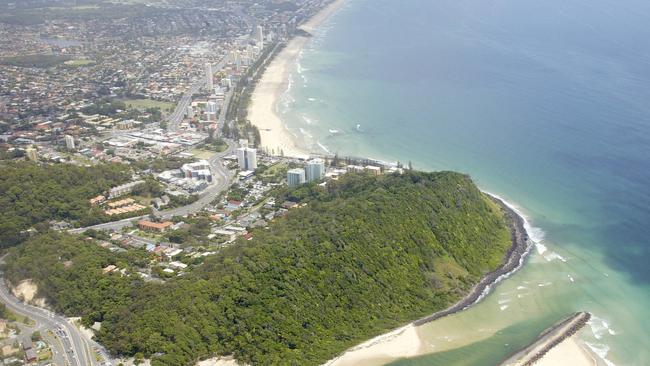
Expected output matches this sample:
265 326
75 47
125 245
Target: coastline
556 346
404 343
275 137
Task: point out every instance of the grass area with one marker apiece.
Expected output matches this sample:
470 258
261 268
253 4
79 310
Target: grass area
275 173
77 63
148 103
45 355
38 60
202 154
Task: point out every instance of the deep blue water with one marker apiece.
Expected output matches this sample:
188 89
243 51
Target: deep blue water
545 103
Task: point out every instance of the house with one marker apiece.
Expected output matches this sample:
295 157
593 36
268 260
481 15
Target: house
178 265
96 200
109 268
154 226
30 356
27 344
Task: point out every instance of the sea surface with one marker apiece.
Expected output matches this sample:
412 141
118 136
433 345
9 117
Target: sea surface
544 103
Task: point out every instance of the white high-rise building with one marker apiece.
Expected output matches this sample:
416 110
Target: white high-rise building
315 170
295 177
211 107
69 142
247 158
259 36
209 82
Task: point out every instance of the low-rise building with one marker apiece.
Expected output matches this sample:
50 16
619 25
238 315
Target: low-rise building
154 226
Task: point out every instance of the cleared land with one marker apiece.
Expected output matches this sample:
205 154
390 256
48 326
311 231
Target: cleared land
148 103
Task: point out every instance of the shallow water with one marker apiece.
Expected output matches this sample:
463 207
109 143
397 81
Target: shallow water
545 104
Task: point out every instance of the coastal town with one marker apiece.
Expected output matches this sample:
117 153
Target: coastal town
179 98
170 107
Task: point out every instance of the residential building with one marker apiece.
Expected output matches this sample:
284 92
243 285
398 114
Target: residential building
247 158
69 142
198 170
209 82
295 177
154 226
124 189
315 170
211 107
259 36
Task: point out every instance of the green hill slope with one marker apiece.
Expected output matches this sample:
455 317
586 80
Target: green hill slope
364 256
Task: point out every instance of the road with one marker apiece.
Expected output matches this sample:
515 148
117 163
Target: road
222 178
73 342
176 117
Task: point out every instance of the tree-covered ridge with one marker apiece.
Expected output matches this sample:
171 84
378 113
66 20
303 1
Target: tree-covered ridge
32 194
69 273
365 255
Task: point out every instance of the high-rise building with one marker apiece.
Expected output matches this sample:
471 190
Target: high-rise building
209 82
69 142
32 154
211 107
295 177
315 170
259 36
247 158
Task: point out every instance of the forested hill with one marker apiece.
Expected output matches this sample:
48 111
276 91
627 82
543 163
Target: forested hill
365 255
32 194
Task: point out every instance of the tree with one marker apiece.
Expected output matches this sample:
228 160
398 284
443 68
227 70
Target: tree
36 336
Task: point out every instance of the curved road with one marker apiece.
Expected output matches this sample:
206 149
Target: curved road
75 351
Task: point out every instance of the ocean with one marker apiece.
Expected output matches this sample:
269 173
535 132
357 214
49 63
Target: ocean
546 104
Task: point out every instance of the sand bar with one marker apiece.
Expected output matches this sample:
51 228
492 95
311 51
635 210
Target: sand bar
274 83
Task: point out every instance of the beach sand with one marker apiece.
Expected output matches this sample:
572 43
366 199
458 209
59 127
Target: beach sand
567 353
273 83
400 343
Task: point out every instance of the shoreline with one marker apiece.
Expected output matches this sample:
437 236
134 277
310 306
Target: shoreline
555 346
275 137
400 344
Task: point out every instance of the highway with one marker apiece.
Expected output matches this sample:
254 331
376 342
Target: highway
75 351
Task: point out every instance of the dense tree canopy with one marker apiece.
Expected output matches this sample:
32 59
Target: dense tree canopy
32 194
366 254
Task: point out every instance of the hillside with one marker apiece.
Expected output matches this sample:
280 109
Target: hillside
32 194
365 255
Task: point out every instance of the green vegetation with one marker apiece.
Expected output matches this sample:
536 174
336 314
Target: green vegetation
32 194
39 61
145 104
68 270
79 62
365 255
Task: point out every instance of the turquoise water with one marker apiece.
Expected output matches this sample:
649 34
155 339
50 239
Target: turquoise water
546 104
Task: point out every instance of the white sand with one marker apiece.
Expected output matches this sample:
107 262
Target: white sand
26 290
273 83
218 361
567 353
400 343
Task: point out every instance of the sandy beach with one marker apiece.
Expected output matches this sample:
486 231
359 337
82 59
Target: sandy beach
568 353
274 82
402 342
